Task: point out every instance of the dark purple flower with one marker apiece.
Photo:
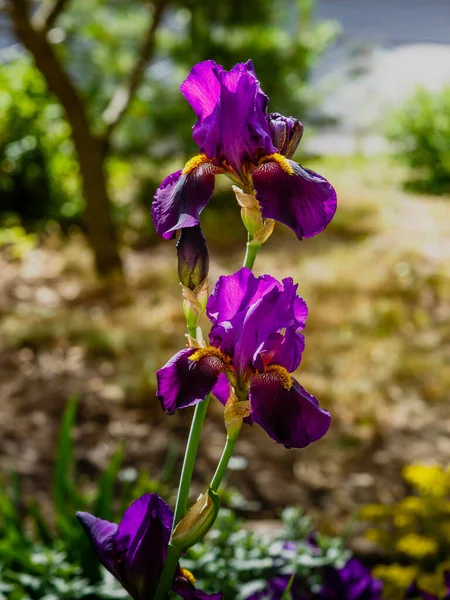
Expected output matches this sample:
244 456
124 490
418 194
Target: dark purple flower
256 342
353 582
237 137
276 587
135 550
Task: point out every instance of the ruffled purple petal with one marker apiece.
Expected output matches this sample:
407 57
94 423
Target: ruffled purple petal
182 382
202 89
274 311
244 129
291 417
278 349
227 306
101 534
304 201
222 388
235 293
231 112
141 542
180 199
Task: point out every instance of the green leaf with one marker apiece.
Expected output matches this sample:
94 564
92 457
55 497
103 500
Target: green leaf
287 592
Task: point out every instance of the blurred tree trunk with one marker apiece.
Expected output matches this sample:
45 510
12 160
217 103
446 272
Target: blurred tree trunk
91 148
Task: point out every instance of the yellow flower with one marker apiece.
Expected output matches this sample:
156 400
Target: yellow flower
400 576
376 536
416 546
429 480
402 521
411 505
374 512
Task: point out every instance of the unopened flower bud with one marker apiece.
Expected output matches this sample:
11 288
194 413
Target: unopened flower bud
197 522
193 257
286 133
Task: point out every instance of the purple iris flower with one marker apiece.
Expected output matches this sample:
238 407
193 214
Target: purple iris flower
135 550
277 586
256 342
352 582
236 137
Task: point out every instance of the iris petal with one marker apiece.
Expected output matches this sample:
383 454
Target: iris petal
180 199
231 113
278 349
101 534
222 389
273 311
291 417
182 382
230 302
142 539
304 201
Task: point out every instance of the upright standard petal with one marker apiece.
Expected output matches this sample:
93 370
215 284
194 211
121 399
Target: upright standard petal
141 542
229 303
244 130
231 113
278 349
303 200
180 199
274 311
292 416
183 382
201 88
101 534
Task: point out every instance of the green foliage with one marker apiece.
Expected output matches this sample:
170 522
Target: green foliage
420 132
44 558
98 43
238 562
38 170
415 531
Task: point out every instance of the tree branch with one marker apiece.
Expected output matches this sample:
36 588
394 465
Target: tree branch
123 96
58 81
49 10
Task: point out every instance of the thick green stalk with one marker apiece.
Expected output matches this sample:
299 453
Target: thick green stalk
250 253
223 462
189 460
168 573
173 556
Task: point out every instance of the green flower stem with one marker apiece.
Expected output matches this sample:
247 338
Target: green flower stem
189 459
173 555
223 462
251 251
168 573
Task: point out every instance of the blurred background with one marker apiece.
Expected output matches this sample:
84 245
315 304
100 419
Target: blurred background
91 121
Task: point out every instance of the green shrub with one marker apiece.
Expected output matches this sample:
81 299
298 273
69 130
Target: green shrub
38 170
51 558
420 134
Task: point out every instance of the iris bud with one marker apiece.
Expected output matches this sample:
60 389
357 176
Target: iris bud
197 521
286 133
193 257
